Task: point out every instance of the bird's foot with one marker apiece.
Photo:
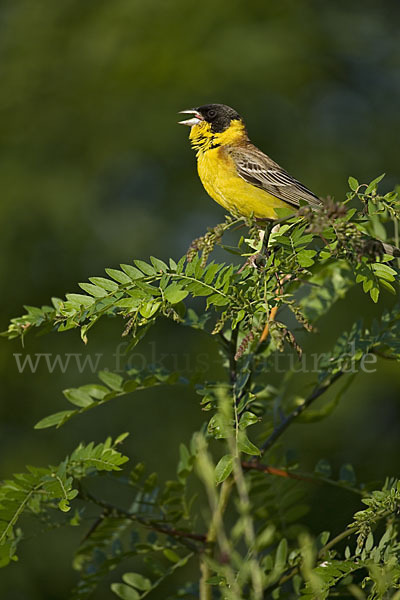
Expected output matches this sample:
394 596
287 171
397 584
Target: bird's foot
257 261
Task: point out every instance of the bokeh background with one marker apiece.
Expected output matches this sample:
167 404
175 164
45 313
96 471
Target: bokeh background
94 171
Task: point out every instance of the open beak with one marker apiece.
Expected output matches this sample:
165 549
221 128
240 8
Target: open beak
194 121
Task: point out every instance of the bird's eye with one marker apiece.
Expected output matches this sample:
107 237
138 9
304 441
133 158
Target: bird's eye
211 113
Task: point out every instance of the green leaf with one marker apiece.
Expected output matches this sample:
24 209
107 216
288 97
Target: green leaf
80 299
93 290
145 267
158 264
211 270
124 591
104 283
172 264
323 468
374 293
132 272
174 293
149 309
95 390
374 184
150 482
305 258
387 286
113 380
78 397
64 506
323 538
350 214
245 445
217 300
369 542
353 184
171 555
283 212
248 419
102 457
367 285
118 276
224 468
54 419
281 556
347 474
137 581
130 302
265 538
384 271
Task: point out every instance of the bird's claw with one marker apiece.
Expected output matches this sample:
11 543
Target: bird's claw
257 261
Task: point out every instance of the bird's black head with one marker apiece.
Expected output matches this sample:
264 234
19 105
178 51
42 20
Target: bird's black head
219 116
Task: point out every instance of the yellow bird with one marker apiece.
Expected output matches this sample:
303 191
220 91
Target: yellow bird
234 172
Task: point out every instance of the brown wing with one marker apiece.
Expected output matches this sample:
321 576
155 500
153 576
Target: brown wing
259 170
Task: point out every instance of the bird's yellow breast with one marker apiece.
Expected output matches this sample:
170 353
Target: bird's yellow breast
221 181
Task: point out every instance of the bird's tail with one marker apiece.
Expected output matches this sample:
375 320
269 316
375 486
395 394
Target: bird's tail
374 247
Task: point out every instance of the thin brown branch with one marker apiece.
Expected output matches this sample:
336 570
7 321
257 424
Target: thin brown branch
257 466
281 428
232 354
265 331
149 523
281 472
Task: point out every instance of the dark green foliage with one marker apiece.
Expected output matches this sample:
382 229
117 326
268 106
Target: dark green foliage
238 504
39 490
91 395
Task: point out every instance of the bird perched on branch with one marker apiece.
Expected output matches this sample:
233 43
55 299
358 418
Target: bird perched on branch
244 180
234 172
240 177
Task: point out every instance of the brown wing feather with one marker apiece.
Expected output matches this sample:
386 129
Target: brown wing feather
259 170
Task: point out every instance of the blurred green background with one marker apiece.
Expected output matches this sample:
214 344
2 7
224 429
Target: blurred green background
94 171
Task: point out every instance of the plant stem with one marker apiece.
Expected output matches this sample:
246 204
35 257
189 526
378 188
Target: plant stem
396 237
215 533
278 431
112 510
282 472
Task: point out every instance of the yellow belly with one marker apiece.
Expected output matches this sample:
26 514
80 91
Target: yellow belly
221 181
